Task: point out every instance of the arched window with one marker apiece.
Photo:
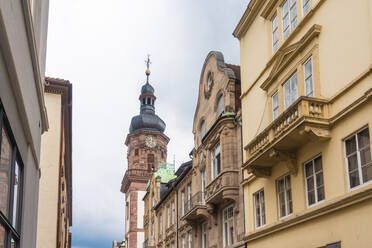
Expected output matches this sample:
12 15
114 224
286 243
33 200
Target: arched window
220 105
143 101
202 129
150 162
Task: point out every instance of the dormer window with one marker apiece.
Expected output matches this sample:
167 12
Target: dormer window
202 129
220 105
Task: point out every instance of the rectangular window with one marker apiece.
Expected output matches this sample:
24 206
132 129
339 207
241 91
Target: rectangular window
189 196
314 181
183 202
259 206
228 226
173 213
183 241
358 158
216 161
169 217
203 185
275 36
11 178
204 234
306 5
189 237
172 245
290 91
308 75
275 105
284 196
289 17
160 224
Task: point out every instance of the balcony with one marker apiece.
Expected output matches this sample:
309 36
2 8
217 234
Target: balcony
224 187
137 175
195 207
306 120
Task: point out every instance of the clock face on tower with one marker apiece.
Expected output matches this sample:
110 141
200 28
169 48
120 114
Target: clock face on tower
150 142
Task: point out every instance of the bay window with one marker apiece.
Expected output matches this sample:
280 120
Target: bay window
289 17
308 76
306 5
275 105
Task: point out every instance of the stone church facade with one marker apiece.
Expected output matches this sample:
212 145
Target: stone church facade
147 147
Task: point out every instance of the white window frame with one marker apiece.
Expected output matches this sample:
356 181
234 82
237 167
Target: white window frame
317 201
291 24
275 29
214 161
361 182
261 205
304 2
226 221
310 76
286 200
275 109
293 94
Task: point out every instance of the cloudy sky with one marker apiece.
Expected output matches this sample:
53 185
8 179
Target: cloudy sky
100 46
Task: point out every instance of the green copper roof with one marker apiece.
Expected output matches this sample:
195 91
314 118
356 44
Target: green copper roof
165 172
228 114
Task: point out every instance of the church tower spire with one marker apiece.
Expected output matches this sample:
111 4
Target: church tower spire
147 147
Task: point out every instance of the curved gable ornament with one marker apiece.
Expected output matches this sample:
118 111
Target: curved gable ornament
208 85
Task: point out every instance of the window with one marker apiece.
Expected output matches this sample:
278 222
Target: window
189 237
160 224
183 241
150 162
152 229
204 234
314 181
284 196
358 158
11 179
275 36
259 206
289 17
189 196
220 105
216 161
173 213
136 152
202 129
203 185
290 91
169 217
228 226
308 75
183 202
306 5
275 105
172 245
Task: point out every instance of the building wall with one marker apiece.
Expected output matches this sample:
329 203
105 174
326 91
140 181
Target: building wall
22 96
49 166
342 60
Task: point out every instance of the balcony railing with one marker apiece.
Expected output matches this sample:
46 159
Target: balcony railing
224 186
197 199
306 119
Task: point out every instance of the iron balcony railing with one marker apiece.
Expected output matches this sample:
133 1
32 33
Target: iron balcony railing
197 199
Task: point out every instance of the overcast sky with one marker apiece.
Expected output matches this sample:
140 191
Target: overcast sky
100 47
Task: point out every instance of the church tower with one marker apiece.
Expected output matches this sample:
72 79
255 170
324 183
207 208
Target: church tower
147 147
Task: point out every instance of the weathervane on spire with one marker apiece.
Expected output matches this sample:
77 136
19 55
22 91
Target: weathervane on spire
148 62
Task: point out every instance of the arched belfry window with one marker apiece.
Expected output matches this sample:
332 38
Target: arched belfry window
150 162
220 105
202 129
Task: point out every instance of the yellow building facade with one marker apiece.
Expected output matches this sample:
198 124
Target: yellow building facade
307 115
